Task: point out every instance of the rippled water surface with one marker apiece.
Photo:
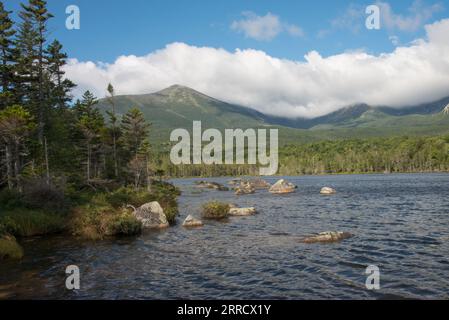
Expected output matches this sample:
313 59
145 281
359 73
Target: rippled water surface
400 223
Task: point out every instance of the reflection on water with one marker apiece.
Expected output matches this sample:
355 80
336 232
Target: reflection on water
400 223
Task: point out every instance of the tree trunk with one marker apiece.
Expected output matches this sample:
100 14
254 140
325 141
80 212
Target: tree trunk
9 169
16 158
88 162
47 166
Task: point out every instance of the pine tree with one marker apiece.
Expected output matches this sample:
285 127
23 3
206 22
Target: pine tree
61 88
7 57
135 131
15 125
31 42
91 124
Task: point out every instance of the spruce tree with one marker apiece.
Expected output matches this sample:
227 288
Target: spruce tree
7 57
31 43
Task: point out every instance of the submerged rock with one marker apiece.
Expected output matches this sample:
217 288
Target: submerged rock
258 184
234 182
242 212
152 216
282 186
327 190
211 185
191 222
327 237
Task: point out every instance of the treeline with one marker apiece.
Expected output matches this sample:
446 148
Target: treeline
43 134
373 155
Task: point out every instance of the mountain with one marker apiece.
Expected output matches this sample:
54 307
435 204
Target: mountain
365 115
178 106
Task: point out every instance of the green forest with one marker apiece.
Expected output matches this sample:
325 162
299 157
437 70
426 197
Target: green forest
67 167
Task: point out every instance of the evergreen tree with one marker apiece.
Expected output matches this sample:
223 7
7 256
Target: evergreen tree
91 124
135 132
61 88
7 57
33 62
15 125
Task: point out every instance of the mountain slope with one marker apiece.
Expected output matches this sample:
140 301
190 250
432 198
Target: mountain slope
178 106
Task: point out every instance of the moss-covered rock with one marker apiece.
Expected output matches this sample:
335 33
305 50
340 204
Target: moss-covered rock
9 248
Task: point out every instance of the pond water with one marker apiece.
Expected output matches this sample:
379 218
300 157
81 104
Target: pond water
400 223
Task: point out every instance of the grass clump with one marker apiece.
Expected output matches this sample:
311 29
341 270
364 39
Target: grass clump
215 210
99 219
124 225
23 222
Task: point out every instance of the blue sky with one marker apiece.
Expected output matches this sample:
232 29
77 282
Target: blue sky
113 28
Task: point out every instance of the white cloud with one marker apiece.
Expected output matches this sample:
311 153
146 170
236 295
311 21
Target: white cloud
264 28
409 75
419 14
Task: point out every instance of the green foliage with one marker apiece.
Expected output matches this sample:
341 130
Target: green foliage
124 225
215 210
10 199
124 196
166 194
376 155
26 223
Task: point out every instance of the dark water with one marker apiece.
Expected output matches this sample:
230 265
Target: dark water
400 223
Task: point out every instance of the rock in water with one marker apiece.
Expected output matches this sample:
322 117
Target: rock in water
242 212
282 186
234 182
327 190
211 185
327 237
258 184
191 222
152 216
245 188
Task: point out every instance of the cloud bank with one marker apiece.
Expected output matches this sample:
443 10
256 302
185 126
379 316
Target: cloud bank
319 85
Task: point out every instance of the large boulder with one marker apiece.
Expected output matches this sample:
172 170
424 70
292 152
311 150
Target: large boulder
191 222
327 237
242 212
282 186
328 191
152 216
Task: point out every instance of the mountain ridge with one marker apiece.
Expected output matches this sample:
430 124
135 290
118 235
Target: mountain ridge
178 106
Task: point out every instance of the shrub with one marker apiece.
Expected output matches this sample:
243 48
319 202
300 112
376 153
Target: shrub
124 225
37 194
27 223
10 199
95 222
124 196
215 210
166 194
